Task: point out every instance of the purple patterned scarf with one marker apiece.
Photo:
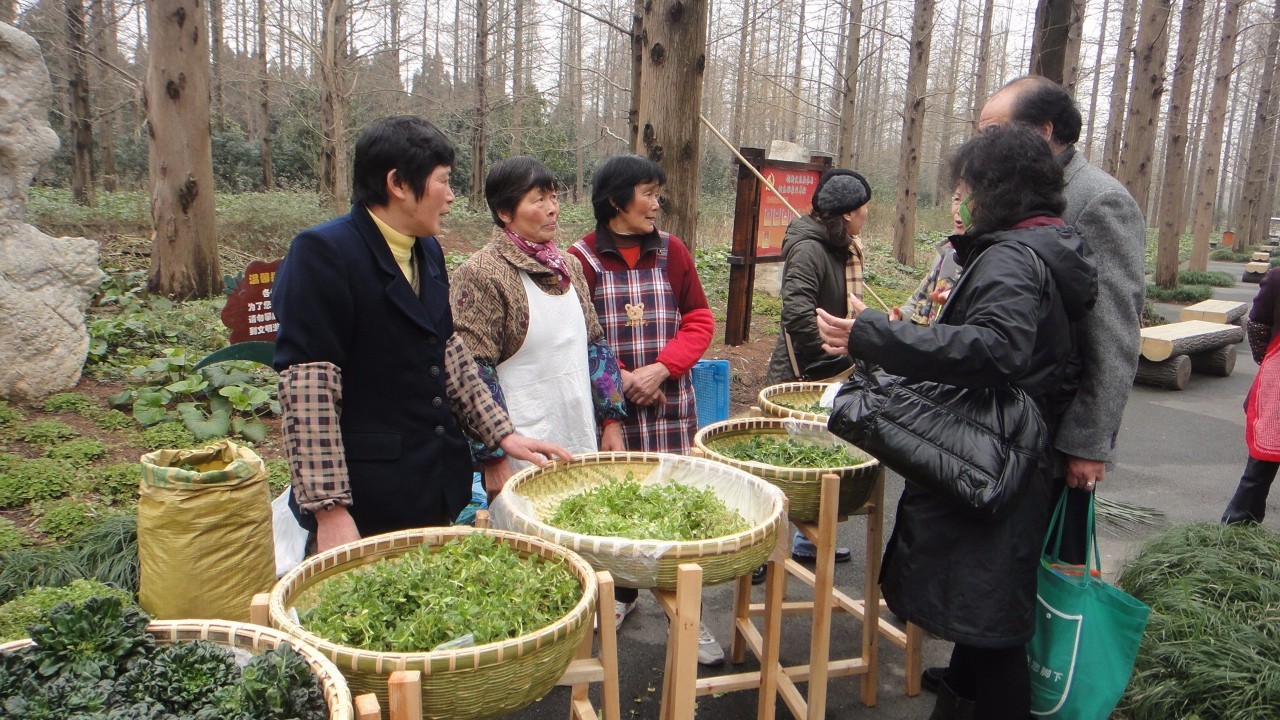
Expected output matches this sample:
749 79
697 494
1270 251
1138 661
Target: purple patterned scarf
547 254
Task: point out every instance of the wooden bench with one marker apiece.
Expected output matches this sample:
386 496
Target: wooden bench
1261 256
1227 312
1254 271
1171 352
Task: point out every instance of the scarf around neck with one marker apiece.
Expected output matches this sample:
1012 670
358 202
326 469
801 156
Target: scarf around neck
547 255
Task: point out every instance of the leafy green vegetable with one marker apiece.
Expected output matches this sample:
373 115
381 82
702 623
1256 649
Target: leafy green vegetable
97 639
34 604
813 407
185 676
660 511
275 684
475 585
781 451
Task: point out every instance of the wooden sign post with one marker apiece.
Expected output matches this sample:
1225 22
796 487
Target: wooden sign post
760 220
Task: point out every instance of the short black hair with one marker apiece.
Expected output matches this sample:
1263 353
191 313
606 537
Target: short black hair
1040 100
408 144
613 185
510 180
1013 176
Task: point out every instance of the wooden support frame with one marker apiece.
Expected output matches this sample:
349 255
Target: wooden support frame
680 674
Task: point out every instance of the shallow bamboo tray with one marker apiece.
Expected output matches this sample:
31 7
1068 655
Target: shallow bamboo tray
254 639
803 486
801 393
484 681
534 493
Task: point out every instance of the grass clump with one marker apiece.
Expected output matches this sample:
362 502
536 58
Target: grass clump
1180 293
66 518
80 451
109 419
30 567
107 552
11 538
168 435
115 483
23 481
70 402
1213 278
1229 255
45 434
31 606
10 416
1212 646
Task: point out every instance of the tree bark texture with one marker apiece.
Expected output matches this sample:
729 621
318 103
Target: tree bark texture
517 78
1255 210
1206 192
904 230
184 250
105 42
674 60
1175 154
1055 46
264 101
480 111
1171 374
1120 87
80 122
1088 143
335 170
983 61
1137 156
215 46
1220 362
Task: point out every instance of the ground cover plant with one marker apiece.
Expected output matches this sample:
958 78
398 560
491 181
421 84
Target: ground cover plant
781 451
1212 646
1179 293
34 604
626 508
474 587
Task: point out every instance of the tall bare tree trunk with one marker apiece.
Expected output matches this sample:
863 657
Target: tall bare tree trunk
904 230
1206 188
479 131
982 65
1256 206
264 102
335 171
1097 78
184 243
1055 46
742 78
674 59
80 122
1137 155
639 42
1199 110
1120 87
579 141
215 46
517 79
847 84
104 41
1175 168
947 112
792 132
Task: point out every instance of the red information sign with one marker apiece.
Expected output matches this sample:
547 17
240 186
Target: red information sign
797 187
248 312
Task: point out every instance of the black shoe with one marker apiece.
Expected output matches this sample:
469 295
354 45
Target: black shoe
843 555
951 706
931 678
757 575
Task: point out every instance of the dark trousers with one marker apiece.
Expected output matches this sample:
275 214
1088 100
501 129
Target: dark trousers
1076 530
625 594
995 679
1249 504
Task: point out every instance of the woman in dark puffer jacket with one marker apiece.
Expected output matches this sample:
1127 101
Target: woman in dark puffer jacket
1008 320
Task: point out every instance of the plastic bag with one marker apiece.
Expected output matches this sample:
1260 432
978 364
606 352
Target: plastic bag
290 537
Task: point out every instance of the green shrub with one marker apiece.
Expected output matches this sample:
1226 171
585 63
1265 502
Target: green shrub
45 434
26 480
66 518
168 435
71 402
80 451
278 475
1229 255
109 419
116 482
1206 277
1179 294
1150 317
10 536
1212 645
32 605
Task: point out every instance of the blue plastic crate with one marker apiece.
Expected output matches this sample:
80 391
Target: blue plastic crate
711 390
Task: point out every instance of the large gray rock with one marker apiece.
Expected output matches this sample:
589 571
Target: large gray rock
46 283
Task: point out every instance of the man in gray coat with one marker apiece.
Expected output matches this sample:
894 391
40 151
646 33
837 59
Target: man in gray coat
1109 219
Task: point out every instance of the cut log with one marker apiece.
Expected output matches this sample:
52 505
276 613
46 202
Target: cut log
1183 338
1266 248
1252 277
1172 374
1219 361
1226 312
1257 267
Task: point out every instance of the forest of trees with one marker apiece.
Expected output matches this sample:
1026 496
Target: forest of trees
1179 96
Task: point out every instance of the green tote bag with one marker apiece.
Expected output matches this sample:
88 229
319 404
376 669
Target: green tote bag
1087 633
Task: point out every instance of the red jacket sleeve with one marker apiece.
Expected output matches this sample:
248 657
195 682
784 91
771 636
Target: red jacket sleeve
697 324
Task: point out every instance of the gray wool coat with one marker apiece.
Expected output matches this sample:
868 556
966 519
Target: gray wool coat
1111 223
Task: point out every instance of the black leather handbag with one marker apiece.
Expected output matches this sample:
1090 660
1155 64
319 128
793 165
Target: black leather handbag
977 449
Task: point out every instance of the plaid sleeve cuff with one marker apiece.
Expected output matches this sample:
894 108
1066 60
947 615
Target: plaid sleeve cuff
473 402
310 402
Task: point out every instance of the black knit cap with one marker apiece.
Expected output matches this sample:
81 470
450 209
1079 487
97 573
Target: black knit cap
840 191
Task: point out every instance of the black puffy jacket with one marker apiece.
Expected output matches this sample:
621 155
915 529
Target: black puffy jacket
963 580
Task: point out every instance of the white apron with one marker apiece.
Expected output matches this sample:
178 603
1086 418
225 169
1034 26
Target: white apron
546 383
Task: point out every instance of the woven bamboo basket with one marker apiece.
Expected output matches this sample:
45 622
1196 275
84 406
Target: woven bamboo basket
484 681
803 486
254 639
534 493
794 393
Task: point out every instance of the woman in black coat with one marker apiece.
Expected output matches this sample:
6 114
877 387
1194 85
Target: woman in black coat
1009 319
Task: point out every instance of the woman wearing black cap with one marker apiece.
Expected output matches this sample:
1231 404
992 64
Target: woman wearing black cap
823 255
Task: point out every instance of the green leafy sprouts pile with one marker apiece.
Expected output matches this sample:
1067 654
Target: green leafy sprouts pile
779 451
474 589
813 407
96 661
660 511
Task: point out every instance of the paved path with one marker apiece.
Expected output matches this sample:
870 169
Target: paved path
1180 452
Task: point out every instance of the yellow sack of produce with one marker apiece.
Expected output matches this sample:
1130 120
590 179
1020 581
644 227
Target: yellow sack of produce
204 532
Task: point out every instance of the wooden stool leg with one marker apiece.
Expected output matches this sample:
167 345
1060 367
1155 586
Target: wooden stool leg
404 695
824 581
482 519
741 611
608 636
915 658
871 594
259 610
367 707
775 587
679 688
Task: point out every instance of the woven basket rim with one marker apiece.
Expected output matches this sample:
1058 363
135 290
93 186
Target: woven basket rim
773 409
724 427
684 548
333 683
422 660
